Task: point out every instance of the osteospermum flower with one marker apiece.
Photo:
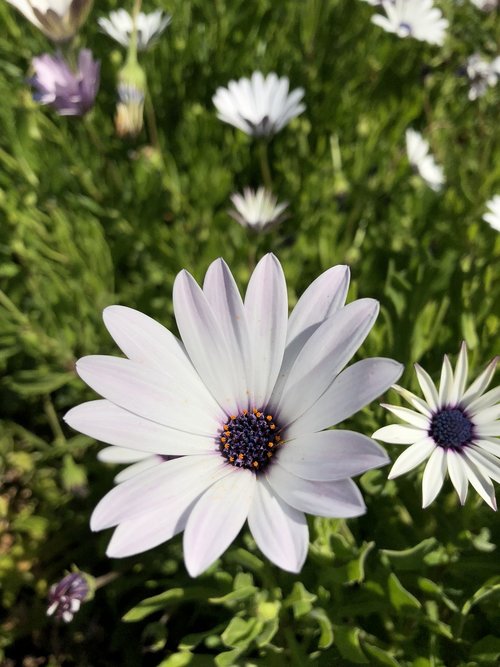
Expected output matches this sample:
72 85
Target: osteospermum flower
492 217
149 27
413 18
454 428
242 403
257 209
482 74
66 597
59 20
260 106
69 93
422 161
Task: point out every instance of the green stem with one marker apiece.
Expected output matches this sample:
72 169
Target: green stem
265 170
53 420
151 123
132 47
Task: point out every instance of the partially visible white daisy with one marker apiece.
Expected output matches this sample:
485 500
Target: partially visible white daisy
492 217
257 209
59 20
455 428
149 27
422 161
486 5
413 18
482 74
242 403
259 106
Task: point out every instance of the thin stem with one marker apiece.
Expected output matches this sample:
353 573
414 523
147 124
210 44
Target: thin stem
104 579
132 47
53 420
265 170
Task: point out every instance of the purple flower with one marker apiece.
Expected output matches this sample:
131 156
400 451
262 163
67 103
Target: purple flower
70 93
66 597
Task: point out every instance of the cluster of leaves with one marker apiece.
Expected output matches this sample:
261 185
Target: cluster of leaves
88 221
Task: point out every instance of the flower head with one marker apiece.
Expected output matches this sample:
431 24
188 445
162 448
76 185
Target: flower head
482 74
66 597
422 161
257 209
413 18
70 93
492 217
129 118
455 428
59 20
149 27
486 5
242 403
260 106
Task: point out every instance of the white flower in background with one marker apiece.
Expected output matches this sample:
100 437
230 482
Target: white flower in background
257 209
455 428
59 20
486 5
242 403
492 217
149 27
260 106
422 161
413 18
482 74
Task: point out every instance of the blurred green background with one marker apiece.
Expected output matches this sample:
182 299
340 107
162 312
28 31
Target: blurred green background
88 220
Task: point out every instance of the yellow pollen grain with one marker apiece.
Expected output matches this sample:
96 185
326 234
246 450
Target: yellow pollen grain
270 444
255 464
241 457
269 418
277 438
245 412
233 417
226 446
269 454
231 458
223 439
258 414
272 426
226 427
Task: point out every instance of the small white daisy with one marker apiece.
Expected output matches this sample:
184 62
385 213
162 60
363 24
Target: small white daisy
456 429
149 27
257 209
422 161
413 18
492 217
59 20
242 403
260 106
482 74
486 5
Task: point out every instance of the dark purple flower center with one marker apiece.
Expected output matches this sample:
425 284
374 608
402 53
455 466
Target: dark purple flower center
249 440
451 428
405 29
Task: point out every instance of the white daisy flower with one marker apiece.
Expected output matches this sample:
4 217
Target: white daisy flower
486 5
413 18
422 161
257 209
149 27
59 20
242 403
482 74
454 428
260 106
492 217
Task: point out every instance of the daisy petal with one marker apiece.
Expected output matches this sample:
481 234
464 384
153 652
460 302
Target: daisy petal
217 519
488 429
107 422
417 402
460 378
331 455
434 475
486 462
445 383
398 434
148 393
280 531
324 355
487 415
412 457
158 486
136 468
121 455
339 499
485 401
428 387
266 308
357 386
409 416
480 482
491 445
480 385
457 473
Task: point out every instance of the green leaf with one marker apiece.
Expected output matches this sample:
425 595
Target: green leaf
413 558
401 599
163 600
240 632
379 656
487 650
300 600
347 643
234 596
325 626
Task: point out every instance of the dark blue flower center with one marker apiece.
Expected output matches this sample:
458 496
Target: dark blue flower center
450 428
405 29
249 440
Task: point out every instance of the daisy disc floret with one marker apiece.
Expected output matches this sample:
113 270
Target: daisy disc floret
242 403
118 25
257 209
419 19
423 161
59 20
456 429
259 106
492 217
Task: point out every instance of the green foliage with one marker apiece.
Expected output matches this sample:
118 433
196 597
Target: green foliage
88 220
